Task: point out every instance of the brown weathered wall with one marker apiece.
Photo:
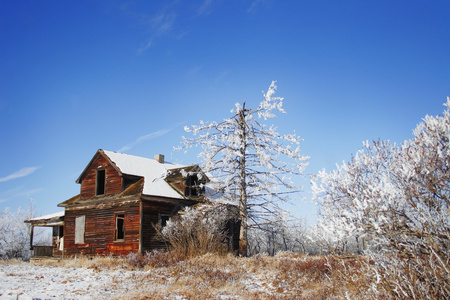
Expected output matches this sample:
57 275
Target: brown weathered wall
113 179
100 230
151 213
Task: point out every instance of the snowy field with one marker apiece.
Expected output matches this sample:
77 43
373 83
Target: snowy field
285 276
22 280
30 281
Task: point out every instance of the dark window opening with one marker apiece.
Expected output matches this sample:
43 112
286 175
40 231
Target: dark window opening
120 222
192 186
164 219
101 176
58 231
128 181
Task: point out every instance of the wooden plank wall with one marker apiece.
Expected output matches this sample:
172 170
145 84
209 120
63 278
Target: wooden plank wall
151 213
100 230
88 182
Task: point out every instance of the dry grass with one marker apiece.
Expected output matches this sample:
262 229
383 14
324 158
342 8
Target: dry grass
210 276
96 263
10 261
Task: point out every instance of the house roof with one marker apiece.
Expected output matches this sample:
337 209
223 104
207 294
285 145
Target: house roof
153 172
54 219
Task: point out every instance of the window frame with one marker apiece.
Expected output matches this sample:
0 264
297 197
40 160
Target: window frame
119 216
97 182
190 186
193 186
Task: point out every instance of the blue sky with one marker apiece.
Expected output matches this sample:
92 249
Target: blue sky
76 76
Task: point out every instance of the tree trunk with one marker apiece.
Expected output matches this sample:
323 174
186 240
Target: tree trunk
243 239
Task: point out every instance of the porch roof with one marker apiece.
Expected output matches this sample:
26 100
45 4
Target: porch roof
55 219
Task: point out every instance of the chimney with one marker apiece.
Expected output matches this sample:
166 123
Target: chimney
159 158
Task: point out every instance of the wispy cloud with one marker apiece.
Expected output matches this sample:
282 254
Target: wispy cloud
206 7
256 4
194 70
163 21
157 22
144 48
222 75
21 173
147 137
18 192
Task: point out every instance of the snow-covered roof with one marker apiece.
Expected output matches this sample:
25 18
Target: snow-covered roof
55 219
50 216
153 172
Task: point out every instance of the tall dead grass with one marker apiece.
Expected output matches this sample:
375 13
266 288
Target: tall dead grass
163 275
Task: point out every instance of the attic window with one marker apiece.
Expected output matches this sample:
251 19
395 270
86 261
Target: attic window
100 183
128 180
192 187
119 232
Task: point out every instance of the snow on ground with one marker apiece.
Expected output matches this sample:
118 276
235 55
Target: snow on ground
30 281
22 280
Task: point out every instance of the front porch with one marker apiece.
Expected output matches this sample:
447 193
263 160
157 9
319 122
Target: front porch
56 222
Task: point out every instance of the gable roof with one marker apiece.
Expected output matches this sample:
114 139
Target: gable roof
153 172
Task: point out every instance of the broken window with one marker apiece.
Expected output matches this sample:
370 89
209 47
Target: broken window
120 222
192 186
100 183
128 180
79 229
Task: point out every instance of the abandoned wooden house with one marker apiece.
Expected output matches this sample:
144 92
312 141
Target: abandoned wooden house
122 197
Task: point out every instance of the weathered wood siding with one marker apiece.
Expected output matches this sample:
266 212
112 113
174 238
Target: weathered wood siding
100 230
151 217
88 182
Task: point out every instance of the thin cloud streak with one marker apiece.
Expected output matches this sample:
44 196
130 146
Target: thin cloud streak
163 22
21 173
18 192
143 48
147 137
206 7
256 4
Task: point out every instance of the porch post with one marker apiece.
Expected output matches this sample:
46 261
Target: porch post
31 236
141 217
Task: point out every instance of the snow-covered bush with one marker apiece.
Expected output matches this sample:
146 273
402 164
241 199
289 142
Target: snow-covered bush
198 230
15 234
396 198
282 233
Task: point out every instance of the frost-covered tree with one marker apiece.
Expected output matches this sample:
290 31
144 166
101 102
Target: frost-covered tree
251 162
283 234
396 197
15 234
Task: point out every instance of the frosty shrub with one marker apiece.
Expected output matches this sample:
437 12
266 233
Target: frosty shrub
283 233
199 230
396 199
15 234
